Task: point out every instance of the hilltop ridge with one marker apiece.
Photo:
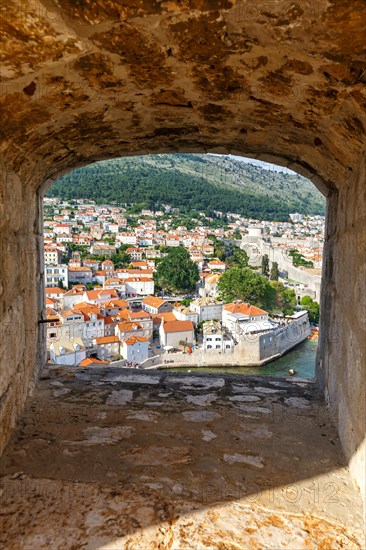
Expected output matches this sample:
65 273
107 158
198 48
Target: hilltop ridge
193 181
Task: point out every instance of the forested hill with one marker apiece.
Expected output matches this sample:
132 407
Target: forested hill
190 181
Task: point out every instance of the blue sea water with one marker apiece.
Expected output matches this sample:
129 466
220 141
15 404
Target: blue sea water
301 359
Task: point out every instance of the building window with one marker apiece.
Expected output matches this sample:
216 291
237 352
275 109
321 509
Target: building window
218 347
227 346
209 347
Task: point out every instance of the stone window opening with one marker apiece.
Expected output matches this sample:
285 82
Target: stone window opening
126 96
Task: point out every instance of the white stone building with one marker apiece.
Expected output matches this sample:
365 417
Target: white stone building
139 286
107 347
173 332
207 309
135 349
67 352
215 338
56 273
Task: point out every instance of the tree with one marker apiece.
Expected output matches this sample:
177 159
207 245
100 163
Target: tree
220 250
298 259
274 272
285 298
177 272
237 234
243 284
120 259
312 308
306 301
265 265
237 258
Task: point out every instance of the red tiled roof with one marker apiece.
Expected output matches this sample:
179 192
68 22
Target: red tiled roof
138 280
107 340
178 326
54 290
126 326
153 301
91 361
167 316
244 308
134 339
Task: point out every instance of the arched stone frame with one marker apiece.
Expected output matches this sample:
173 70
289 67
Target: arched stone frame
343 392
286 85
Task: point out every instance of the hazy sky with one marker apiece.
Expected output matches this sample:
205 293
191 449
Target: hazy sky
265 165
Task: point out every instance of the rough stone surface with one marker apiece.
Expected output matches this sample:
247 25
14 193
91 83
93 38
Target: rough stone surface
101 79
280 81
85 471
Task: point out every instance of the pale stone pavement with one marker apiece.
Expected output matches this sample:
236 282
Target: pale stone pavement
122 459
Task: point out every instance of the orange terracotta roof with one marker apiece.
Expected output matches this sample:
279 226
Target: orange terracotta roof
91 361
119 303
139 314
74 292
92 294
138 271
134 339
107 340
109 291
167 316
68 312
109 320
177 326
244 308
126 326
91 308
216 261
213 278
81 305
52 314
138 280
54 290
153 301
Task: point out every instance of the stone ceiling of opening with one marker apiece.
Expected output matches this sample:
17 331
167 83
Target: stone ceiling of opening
84 80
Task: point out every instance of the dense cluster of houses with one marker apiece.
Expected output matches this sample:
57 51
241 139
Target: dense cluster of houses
98 313
85 326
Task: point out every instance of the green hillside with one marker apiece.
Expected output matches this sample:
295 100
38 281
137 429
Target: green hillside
187 181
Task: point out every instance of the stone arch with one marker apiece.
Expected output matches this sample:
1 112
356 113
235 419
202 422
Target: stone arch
281 82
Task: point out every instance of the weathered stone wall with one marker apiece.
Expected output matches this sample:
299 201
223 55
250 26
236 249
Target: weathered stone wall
253 349
290 336
278 81
256 250
21 345
341 367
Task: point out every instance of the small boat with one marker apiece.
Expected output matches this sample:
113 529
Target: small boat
291 372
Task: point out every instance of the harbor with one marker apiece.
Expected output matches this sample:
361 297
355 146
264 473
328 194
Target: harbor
301 359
